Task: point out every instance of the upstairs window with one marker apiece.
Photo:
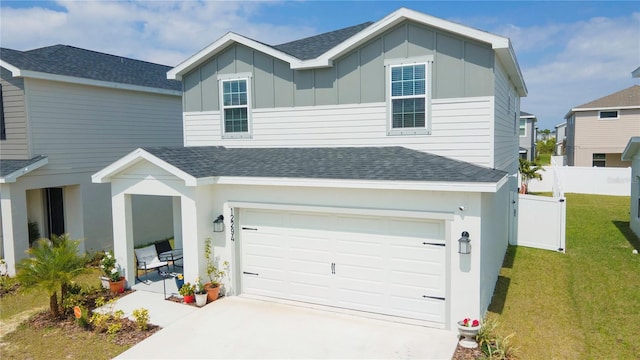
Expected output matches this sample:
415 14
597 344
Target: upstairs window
408 101
523 127
613 114
234 110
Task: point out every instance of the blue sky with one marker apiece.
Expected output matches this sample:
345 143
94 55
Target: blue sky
570 52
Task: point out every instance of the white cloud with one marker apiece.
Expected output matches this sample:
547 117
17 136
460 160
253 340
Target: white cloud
566 65
165 32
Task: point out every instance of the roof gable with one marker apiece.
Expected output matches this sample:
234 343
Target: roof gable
321 50
632 148
627 98
63 62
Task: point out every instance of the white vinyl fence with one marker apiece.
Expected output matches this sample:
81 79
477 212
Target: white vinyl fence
542 222
584 180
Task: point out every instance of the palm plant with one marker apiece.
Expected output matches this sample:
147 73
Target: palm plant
529 170
51 266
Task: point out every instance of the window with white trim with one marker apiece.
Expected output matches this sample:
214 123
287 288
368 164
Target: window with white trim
409 97
608 115
235 111
523 127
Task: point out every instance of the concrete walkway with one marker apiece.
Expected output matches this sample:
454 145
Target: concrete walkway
241 328
161 312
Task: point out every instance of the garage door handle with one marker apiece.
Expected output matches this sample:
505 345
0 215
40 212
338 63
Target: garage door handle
433 297
250 273
246 228
436 244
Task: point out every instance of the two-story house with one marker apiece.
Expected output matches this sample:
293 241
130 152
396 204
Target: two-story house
66 113
598 131
527 135
561 138
372 168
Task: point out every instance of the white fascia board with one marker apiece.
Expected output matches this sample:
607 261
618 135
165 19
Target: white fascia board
357 184
561 124
15 71
105 175
91 82
574 110
219 45
11 178
631 149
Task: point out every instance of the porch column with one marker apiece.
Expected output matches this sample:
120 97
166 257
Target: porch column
15 233
177 223
74 216
189 216
123 235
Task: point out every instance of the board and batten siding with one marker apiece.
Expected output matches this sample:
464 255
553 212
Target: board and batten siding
16 146
84 128
461 68
461 128
507 120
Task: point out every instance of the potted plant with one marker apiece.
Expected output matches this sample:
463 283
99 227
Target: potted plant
187 291
111 270
468 329
201 293
215 275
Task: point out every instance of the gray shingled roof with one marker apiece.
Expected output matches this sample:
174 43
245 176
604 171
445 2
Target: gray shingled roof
8 167
72 61
360 163
627 97
314 46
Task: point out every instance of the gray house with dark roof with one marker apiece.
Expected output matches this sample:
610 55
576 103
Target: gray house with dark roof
66 113
527 135
350 168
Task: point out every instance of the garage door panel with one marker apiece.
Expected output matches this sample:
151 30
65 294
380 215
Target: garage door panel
365 263
422 309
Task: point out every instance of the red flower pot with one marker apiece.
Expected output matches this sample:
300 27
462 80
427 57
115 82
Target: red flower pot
189 299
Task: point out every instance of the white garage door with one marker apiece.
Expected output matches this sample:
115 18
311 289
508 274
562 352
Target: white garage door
388 266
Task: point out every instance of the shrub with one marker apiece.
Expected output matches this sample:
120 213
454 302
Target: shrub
142 318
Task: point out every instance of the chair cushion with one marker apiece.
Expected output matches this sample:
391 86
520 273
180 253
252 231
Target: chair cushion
148 258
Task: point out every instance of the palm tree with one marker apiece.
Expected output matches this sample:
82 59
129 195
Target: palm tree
51 266
528 170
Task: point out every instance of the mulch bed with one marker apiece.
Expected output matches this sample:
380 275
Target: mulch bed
128 335
466 354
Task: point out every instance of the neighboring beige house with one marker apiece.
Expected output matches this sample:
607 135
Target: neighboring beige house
67 112
527 136
598 130
632 154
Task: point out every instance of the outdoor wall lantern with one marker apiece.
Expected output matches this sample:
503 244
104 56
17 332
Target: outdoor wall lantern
464 244
218 224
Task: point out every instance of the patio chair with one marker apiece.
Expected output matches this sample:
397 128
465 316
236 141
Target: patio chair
147 259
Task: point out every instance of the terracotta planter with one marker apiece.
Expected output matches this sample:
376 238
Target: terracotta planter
201 299
188 299
212 292
117 286
469 334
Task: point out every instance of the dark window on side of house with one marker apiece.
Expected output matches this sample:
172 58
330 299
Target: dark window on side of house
599 160
3 130
608 114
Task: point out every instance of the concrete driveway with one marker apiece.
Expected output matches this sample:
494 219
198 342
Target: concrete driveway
238 327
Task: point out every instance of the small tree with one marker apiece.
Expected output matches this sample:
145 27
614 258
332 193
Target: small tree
51 266
528 170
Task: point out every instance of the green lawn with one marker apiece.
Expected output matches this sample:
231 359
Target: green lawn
544 159
584 304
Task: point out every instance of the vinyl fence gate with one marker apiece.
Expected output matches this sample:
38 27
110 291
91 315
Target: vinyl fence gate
542 222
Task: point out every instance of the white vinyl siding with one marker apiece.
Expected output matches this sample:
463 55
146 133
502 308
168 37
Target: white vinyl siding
505 132
84 128
461 128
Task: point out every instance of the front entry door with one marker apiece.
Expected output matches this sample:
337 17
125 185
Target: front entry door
54 206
